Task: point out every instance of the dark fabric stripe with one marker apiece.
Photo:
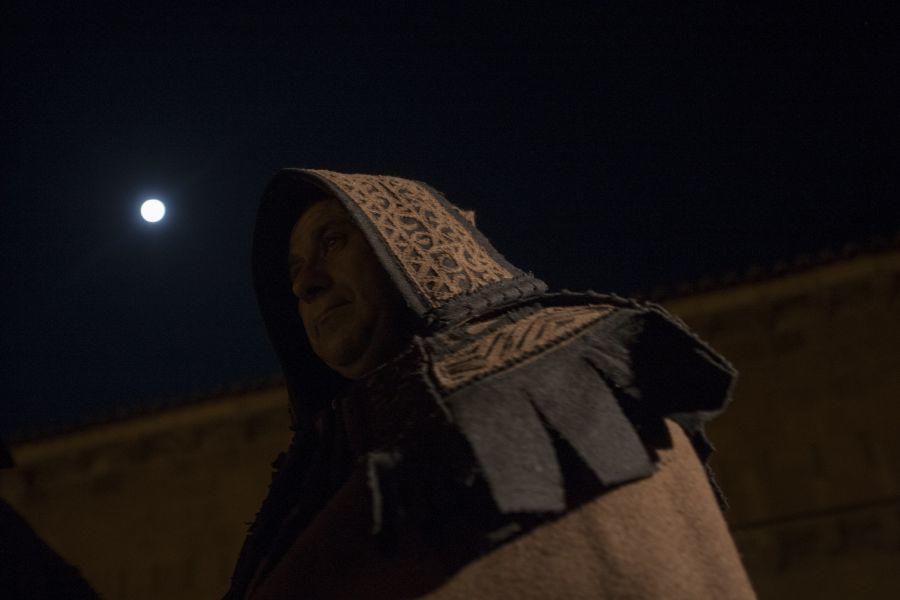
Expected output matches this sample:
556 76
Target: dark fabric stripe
578 404
512 447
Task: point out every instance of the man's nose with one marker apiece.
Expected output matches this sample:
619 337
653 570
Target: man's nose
310 282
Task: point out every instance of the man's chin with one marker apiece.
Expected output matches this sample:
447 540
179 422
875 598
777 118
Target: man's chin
350 370
353 356
344 360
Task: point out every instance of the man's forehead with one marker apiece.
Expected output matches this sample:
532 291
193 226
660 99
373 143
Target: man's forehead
317 214
320 210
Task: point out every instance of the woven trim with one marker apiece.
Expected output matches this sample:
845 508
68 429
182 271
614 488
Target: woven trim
439 256
511 344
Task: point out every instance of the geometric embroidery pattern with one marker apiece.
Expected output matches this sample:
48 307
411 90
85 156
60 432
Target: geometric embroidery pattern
514 343
440 257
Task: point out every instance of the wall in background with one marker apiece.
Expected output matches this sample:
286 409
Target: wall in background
157 505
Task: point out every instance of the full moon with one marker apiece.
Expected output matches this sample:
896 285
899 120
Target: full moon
153 210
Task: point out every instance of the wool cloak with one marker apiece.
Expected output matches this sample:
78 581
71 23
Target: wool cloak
525 444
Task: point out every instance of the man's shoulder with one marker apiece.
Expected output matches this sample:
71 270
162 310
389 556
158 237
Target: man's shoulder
593 374
639 350
528 412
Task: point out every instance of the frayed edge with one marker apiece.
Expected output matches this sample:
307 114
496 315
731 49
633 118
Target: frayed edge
379 468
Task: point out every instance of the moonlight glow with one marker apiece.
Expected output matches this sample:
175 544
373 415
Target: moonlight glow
153 210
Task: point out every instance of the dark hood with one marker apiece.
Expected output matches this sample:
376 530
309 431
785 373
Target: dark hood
445 269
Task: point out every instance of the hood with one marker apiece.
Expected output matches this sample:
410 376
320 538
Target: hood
445 269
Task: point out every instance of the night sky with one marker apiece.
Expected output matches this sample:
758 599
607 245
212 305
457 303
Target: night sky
618 149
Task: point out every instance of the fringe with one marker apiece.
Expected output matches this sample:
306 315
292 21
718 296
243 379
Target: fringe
597 392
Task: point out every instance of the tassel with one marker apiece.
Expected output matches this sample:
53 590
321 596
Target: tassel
379 469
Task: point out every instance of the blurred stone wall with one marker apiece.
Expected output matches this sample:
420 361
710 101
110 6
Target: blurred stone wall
154 506
157 505
809 451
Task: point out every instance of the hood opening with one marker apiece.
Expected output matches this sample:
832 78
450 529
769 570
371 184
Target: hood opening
444 268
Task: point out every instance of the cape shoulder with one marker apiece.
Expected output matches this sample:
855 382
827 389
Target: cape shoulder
595 374
514 399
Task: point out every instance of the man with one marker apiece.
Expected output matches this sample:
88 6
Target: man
462 433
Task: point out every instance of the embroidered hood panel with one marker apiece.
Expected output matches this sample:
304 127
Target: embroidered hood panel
445 269
431 242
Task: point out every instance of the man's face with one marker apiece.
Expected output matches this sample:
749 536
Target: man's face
351 311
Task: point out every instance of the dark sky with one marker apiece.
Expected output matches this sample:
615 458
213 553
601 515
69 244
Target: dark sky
614 148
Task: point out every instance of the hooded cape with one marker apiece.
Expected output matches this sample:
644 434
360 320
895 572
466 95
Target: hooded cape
511 412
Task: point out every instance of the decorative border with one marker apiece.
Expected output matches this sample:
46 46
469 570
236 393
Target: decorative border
438 254
513 343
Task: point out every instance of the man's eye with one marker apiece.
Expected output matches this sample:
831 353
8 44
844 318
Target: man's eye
330 241
294 271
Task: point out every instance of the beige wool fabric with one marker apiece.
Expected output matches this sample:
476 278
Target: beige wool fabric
660 537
